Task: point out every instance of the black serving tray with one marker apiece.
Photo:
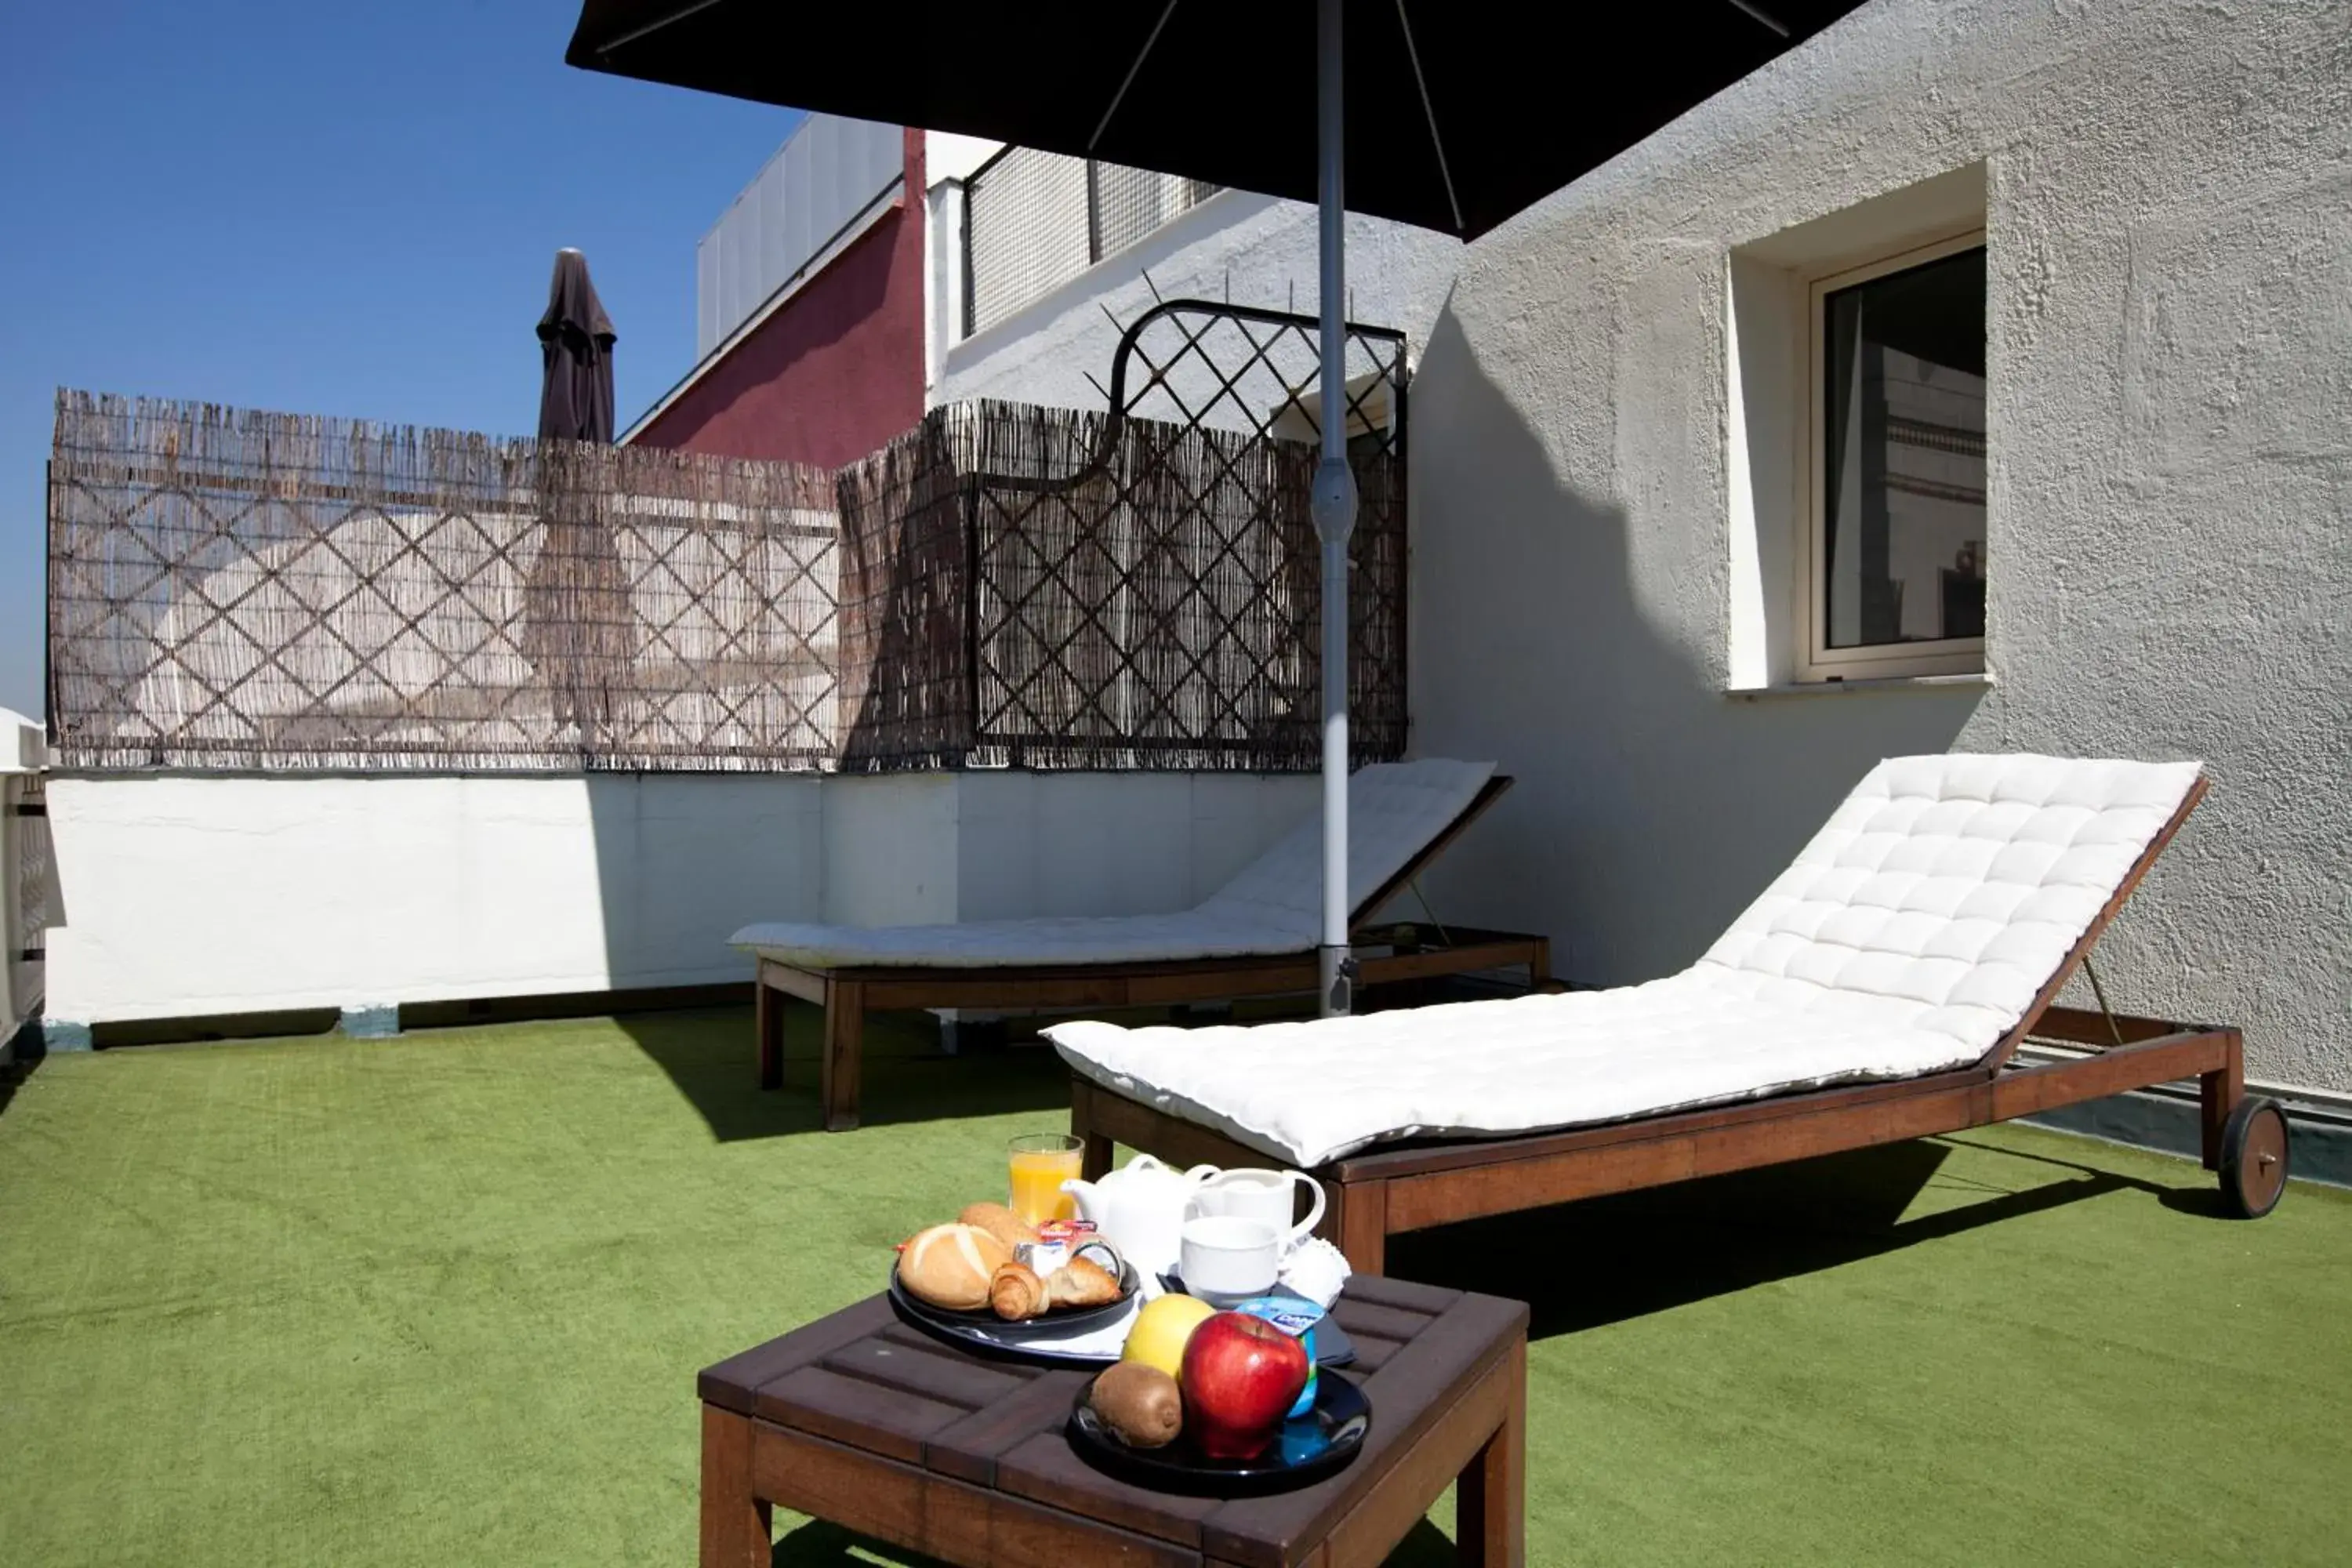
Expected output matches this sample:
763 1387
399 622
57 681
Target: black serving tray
1309 1446
1068 1317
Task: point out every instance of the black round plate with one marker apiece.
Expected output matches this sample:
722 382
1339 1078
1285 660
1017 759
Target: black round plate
1308 1448
1066 1318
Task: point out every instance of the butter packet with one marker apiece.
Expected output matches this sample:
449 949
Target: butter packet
1042 1257
1059 1241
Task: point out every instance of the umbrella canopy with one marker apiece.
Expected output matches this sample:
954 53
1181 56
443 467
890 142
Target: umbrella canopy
1449 115
575 349
1523 99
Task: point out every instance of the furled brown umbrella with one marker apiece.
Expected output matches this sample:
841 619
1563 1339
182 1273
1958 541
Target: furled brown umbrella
576 346
575 621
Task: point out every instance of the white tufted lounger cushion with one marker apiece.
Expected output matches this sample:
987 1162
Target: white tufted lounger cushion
1913 932
1396 810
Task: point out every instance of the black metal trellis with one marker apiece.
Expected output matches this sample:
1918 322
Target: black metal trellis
1207 453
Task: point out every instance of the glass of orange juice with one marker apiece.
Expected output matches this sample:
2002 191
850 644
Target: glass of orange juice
1041 1163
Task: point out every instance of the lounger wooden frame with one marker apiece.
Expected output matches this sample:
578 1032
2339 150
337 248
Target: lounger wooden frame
1380 1193
1417 953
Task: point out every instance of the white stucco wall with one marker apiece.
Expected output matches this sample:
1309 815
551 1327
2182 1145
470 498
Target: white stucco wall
2168 204
1113 843
188 895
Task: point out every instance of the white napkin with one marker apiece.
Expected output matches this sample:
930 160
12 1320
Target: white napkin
1316 1270
1101 1341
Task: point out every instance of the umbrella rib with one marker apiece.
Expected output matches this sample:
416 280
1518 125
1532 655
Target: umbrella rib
1761 14
667 19
1128 81
1429 113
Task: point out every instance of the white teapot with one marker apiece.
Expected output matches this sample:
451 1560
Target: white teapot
1140 1209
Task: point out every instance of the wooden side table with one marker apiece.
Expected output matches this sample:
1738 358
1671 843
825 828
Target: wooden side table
874 1425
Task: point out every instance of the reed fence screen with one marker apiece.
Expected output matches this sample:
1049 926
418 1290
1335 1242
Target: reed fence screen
1036 588
1004 585
230 589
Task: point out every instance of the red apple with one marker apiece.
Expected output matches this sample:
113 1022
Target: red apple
1241 1375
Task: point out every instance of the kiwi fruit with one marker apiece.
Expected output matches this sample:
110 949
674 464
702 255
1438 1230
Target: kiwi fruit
1140 1403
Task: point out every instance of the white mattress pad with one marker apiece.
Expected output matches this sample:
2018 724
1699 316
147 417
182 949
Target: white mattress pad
1906 937
1395 810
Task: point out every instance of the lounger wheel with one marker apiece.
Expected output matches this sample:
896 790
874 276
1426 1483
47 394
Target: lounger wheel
2253 1158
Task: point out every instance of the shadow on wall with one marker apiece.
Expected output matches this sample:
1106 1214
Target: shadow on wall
1547 633
684 860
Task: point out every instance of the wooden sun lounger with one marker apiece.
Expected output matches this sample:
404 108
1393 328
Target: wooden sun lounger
1395 954
1380 1192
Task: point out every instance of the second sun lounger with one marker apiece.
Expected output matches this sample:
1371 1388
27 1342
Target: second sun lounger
1254 937
1878 990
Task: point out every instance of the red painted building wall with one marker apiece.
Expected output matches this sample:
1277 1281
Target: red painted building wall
836 371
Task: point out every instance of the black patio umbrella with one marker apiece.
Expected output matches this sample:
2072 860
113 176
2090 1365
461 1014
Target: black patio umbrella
1449 115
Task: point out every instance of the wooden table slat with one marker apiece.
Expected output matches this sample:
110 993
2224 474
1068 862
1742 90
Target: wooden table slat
734 1383
1389 1322
1372 1353
969 1449
930 1370
1046 1470
936 1515
849 1410
901 1332
1378 1290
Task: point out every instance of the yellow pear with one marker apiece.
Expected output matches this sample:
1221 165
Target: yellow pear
1161 1330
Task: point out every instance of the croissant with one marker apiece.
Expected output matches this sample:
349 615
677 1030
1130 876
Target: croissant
1014 1292
1081 1282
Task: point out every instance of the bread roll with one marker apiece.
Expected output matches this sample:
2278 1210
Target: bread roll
999 1222
951 1265
1015 1293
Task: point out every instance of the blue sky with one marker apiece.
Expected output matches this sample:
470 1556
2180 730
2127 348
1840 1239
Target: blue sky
335 209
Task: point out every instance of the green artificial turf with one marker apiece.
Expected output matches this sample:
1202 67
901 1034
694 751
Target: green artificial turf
440 1300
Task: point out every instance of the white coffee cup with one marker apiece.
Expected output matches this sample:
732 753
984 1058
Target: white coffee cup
1226 1257
1263 1195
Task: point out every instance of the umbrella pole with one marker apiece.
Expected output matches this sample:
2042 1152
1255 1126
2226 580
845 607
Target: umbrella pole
1334 508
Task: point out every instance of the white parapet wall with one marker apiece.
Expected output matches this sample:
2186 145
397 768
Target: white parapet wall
24 874
192 896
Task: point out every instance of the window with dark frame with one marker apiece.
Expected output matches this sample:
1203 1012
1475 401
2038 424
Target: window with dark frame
1899 521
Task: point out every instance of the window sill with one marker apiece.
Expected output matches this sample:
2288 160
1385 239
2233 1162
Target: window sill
1973 680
